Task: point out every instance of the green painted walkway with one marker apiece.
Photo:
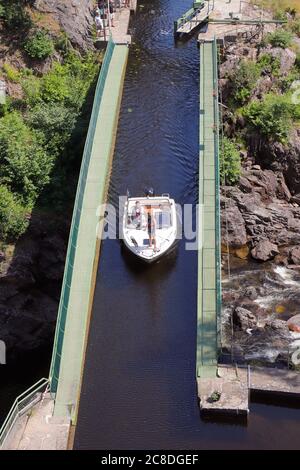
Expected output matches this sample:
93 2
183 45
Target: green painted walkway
80 269
209 244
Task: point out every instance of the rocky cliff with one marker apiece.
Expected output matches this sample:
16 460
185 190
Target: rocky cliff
260 221
30 282
74 17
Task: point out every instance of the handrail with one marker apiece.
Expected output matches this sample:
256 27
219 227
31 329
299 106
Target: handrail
68 273
20 405
217 188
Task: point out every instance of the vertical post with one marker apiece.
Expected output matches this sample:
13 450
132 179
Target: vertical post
108 13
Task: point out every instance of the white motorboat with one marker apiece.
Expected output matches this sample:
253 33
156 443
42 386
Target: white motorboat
150 226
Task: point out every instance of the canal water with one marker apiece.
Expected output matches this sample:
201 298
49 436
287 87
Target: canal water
139 389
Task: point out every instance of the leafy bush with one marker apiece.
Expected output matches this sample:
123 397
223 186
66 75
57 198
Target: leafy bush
230 163
46 135
297 63
31 87
69 83
56 122
39 45
12 215
12 74
14 14
54 85
280 38
269 64
272 116
24 163
214 397
294 26
286 81
244 80
62 43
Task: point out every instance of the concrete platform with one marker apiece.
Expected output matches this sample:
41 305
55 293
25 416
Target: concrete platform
243 11
119 31
276 381
235 385
233 389
37 429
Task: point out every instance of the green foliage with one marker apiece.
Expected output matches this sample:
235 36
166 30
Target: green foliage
294 26
54 85
62 43
215 396
12 74
24 163
69 83
39 45
244 80
279 38
12 215
55 122
297 63
31 87
269 64
272 117
41 134
286 81
230 163
14 15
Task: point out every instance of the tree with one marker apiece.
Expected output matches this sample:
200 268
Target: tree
24 163
230 164
272 116
39 45
244 80
13 220
280 38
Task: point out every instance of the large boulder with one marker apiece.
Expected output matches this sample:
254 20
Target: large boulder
294 323
243 318
264 250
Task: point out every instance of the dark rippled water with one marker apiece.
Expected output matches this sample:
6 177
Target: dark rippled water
139 389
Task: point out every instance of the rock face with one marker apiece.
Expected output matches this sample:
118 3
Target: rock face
30 283
295 255
264 250
75 17
261 212
233 225
281 157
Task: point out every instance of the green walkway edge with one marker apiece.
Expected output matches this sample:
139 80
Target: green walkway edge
209 277
84 246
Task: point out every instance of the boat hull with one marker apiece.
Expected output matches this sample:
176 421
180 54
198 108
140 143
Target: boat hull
135 231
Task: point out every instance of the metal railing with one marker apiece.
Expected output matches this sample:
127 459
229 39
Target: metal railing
68 273
22 404
191 15
217 191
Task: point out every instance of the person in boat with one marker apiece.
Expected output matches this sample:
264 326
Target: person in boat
136 216
151 225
